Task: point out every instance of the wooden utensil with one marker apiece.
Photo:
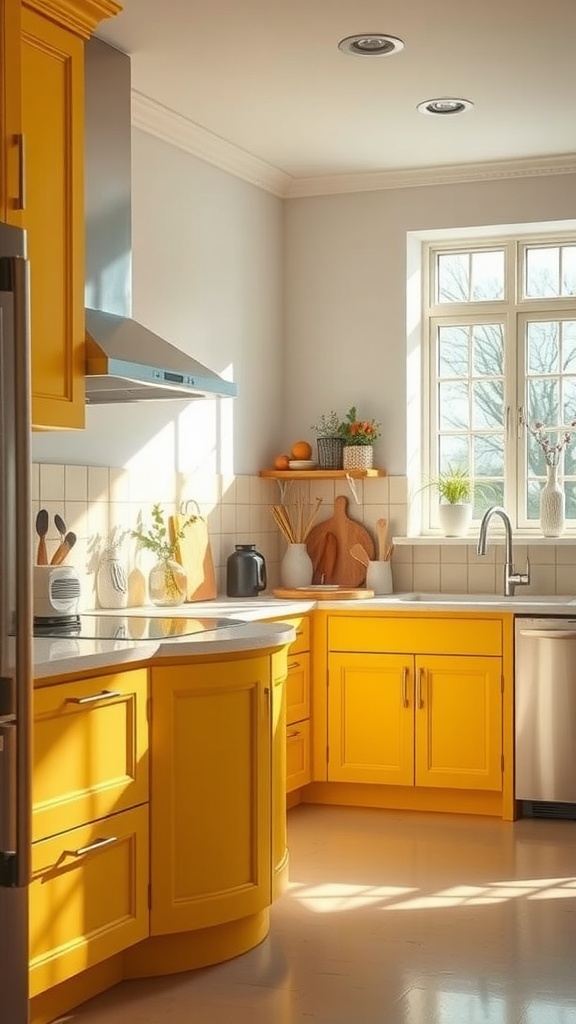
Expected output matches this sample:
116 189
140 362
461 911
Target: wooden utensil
60 526
324 570
62 550
194 553
347 532
382 530
360 554
42 530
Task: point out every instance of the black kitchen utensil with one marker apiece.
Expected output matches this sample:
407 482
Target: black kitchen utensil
60 526
42 530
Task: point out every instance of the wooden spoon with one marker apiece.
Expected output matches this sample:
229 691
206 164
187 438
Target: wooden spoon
63 549
382 528
60 526
360 554
42 530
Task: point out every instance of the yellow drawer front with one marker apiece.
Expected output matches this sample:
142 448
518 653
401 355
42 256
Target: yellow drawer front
302 626
297 756
298 687
458 635
85 906
90 750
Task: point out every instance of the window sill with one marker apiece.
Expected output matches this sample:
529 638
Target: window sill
496 537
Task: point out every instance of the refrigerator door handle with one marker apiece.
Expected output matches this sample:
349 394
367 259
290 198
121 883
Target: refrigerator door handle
7 800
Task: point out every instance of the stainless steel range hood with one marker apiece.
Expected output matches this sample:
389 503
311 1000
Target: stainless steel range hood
125 361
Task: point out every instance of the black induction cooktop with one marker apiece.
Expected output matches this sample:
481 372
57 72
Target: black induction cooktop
129 627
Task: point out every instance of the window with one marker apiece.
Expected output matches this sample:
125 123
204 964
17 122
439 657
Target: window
501 319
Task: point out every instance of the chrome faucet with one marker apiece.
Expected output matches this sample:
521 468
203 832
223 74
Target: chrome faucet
512 579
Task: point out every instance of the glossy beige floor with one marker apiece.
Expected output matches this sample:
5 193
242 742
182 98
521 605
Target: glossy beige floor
394 918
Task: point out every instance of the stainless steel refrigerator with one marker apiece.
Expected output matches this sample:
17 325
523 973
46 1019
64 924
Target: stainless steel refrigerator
15 626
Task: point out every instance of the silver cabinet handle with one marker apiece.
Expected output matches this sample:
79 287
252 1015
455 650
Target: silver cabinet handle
103 695
405 686
20 201
96 845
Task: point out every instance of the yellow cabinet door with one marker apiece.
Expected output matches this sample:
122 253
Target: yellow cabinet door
298 687
53 119
459 722
370 718
298 771
210 793
90 751
11 139
278 738
88 896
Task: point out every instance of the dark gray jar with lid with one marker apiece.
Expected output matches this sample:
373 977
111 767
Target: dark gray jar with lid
245 572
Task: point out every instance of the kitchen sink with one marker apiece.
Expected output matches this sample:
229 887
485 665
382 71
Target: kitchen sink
476 599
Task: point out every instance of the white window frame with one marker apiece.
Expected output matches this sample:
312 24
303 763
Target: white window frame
514 311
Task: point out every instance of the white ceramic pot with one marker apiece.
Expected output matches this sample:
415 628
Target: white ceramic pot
552 502
379 577
455 519
296 567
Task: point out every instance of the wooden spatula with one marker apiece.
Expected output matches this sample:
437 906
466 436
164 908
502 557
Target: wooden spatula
360 554
382 529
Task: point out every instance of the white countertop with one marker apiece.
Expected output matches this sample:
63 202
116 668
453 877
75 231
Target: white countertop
59 656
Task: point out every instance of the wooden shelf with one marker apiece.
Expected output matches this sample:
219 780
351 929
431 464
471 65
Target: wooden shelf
321 474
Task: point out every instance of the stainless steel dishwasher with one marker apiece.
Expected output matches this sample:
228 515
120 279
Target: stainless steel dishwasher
545 715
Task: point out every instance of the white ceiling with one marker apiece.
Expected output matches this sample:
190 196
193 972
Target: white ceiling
265 80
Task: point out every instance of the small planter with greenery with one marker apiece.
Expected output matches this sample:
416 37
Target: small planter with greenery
330 443
167 582
454 487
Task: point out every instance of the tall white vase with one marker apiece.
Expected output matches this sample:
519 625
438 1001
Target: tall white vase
296 567
552 504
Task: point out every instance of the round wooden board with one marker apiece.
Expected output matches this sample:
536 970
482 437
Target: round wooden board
340 594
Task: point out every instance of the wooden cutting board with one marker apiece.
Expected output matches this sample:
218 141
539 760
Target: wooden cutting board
194 553
329 546
341 594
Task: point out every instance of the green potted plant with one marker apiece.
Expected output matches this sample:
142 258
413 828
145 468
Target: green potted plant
330 442
454 487
359 436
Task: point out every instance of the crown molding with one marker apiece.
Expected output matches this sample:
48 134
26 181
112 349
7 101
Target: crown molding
422 176
173 128
166 124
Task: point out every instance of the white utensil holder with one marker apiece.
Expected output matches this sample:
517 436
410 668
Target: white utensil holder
379 577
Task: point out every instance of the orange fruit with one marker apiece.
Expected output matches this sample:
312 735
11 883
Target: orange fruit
301 450
281 462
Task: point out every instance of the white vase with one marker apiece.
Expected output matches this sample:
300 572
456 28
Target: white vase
296 567
552 502
455 519
358 456
111 582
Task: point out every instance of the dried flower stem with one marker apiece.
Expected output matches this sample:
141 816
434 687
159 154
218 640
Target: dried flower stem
295 524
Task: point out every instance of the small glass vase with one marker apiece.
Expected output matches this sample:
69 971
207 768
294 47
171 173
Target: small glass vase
358 456
296 568
167 583
552 504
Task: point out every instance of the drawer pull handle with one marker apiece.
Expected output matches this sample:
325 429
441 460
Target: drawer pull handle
20 202
292 735
293 664
405 686
96 845
103 695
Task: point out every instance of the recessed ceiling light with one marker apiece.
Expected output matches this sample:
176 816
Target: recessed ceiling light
371 44
444 105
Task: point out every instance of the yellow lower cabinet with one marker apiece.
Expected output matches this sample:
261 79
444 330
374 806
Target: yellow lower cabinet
297 755
371 719
427 720
90 754
211 793
88 896
459 722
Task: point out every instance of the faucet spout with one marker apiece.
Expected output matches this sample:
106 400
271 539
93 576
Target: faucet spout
512 579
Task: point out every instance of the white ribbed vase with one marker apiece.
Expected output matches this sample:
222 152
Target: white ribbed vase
296 567
552 504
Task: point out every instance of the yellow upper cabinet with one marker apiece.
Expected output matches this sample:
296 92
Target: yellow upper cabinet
51 192
11 140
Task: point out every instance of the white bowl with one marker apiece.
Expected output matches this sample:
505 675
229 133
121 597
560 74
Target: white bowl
301 464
